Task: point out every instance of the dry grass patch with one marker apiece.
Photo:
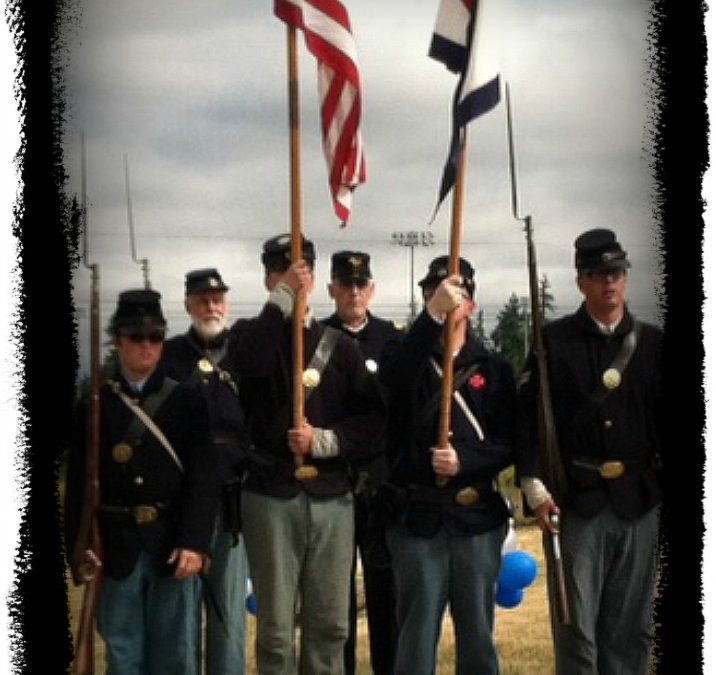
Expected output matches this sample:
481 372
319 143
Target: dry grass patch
522 634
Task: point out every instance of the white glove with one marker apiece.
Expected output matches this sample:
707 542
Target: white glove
447 296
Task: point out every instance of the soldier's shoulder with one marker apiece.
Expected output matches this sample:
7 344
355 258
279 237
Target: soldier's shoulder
650 329
175 344
387 325
560 327
333 321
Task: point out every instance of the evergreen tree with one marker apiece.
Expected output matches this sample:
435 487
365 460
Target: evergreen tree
479 326
511 336
546 299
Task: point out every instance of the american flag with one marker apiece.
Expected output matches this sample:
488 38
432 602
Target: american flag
327 30
466 46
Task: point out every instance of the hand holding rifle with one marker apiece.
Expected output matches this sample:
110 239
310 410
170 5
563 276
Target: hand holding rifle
86 566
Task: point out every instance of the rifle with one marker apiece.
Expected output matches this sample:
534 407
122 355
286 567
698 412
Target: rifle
553 473
144 262
87 552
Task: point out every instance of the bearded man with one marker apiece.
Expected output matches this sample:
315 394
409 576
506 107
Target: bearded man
198 359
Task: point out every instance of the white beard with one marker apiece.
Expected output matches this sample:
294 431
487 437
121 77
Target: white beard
210 327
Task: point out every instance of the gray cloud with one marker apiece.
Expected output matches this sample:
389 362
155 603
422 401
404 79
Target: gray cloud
195 94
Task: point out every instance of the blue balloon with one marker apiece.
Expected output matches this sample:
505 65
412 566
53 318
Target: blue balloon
251 604
508 597
519 570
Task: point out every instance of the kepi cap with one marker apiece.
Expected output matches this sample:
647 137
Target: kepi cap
439 270
350 266
137 310
199 281
599 249
276 256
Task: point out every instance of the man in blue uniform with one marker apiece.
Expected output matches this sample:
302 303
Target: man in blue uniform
604 368
352 289
299 533
159 498
199 359
450 521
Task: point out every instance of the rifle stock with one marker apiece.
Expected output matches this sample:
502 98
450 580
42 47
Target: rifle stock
87 559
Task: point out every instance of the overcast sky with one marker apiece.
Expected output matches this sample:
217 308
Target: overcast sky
195 94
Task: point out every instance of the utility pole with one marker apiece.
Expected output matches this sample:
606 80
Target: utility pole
410 239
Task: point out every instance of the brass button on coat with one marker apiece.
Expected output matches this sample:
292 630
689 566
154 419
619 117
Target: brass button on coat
122 453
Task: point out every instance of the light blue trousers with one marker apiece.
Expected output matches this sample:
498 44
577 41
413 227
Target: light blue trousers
150 623
228 574
432 573
300 552
610 572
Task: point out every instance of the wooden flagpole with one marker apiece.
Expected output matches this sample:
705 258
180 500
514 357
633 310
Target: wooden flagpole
303 472
458 204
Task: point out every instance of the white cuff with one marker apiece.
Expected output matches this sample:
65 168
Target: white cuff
437 318
283 296
534 491
324 443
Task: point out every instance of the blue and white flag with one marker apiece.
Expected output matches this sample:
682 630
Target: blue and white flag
465 40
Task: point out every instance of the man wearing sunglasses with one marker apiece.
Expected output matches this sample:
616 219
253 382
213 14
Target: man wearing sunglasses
352 290
604 375
199 358
159 497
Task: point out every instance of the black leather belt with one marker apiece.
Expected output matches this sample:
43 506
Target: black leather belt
462 496
609 469
142 513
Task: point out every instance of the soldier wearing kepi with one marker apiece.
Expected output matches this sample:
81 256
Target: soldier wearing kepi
450 521
352 289
199 359
604 370
299 533
159 499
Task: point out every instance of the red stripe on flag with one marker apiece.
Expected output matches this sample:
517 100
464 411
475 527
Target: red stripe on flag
334 9
331 56
327 32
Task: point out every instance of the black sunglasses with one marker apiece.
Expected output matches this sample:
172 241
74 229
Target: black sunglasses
349 283
152 336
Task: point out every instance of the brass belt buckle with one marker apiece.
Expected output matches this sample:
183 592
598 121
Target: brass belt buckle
467 496
611 469
144 514
306 472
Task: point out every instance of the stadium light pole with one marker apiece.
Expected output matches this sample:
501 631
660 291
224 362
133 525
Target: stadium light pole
410 239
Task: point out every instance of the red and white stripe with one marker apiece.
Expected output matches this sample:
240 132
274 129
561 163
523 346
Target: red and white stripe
327 30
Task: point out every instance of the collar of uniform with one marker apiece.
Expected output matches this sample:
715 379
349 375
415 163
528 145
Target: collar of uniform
201 344
591 325
151 384
355 332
